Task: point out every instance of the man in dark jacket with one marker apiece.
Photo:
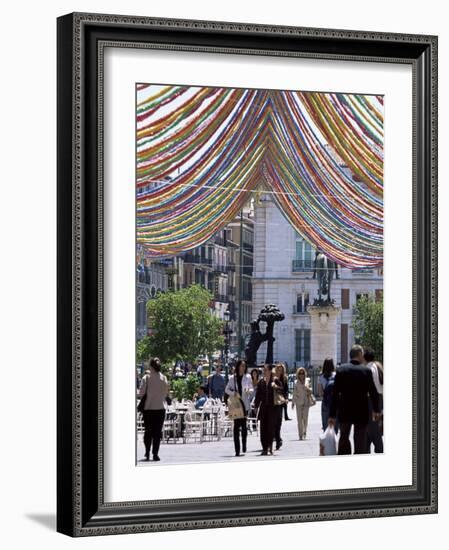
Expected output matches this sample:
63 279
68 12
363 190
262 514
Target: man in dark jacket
350 402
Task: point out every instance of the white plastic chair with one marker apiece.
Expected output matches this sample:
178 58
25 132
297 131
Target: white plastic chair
172 426
193 426
225 424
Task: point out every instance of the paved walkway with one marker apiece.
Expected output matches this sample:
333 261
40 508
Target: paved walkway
223 451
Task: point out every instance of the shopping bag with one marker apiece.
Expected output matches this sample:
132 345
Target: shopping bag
328 442
235 408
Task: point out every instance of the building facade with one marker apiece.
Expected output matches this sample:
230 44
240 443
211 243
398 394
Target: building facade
241 234
151 278
283 275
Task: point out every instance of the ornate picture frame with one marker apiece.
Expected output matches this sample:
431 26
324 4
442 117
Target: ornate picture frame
81 508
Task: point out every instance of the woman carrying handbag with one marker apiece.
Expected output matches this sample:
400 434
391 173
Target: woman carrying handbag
153 391
240 387
302 399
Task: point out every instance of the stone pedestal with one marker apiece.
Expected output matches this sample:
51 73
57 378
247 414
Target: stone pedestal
323 334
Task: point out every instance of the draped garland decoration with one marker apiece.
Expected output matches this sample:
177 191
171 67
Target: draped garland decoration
202 152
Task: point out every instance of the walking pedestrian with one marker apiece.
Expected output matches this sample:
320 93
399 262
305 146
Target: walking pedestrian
374 432
285 384
241 386
255 377
154 388
326 382
280 401
350 404
216 384
302 399
264 401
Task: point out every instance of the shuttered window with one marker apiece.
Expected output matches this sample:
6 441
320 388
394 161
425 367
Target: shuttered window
302 345
345 298
344 343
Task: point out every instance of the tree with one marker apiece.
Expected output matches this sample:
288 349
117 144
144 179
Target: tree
185 388
182 325
143 349
368 324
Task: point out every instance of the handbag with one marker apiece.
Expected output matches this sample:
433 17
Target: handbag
278 396
311 399
235 407
328 442
141 404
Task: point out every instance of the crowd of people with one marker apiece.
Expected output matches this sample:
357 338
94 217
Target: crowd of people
351 396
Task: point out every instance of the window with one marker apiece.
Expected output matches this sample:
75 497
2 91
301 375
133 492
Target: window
171 282
299 249
344 342
304 254
345 298
246 311
147 275
248 237
302 301
302 345
141 314
247 268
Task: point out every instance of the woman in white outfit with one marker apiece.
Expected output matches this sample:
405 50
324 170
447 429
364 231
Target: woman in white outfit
240 384
302 399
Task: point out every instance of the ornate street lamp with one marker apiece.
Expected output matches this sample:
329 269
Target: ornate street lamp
227 333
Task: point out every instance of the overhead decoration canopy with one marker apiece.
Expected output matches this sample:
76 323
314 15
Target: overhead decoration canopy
202 152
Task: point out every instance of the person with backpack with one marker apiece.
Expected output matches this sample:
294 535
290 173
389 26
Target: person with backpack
326 382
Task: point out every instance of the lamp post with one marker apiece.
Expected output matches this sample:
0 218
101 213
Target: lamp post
227 332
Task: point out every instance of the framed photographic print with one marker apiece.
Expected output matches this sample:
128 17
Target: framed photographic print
246 274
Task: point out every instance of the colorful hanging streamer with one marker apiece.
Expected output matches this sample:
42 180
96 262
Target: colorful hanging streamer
202 151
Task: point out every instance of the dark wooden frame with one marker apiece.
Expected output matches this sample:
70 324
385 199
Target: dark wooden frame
81 510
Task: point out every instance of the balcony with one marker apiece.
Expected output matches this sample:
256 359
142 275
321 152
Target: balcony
231 266
221 241
197 260
220 269
301 310
302 266
231 244
221 298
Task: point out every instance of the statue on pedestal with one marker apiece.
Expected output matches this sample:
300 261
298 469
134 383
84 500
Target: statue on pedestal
255 340
324 271
269 314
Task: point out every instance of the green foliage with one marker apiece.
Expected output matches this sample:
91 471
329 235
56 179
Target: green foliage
368 325
185 388
144 354
182 325
143 349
